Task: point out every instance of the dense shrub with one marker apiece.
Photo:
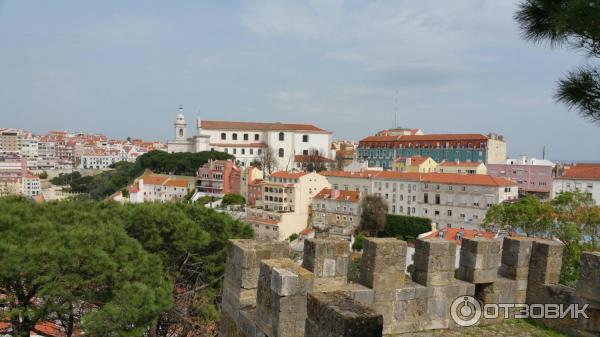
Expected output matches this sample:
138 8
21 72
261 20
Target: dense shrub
405 227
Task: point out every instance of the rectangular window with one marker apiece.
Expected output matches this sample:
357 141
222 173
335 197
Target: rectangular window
305 138
245 136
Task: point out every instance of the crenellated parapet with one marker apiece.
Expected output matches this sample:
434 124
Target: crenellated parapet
266 294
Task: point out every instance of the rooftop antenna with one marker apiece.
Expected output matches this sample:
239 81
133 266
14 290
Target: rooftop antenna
544 152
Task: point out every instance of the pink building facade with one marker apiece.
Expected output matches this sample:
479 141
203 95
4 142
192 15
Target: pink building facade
218 177
531 179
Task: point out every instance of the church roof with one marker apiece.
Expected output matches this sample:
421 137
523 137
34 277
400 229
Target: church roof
251 126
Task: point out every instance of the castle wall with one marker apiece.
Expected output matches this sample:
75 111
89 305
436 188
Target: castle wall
267 294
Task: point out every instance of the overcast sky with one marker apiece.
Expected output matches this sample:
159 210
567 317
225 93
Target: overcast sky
123 67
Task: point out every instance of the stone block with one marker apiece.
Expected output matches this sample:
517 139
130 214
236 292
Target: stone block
244 256
479 245
336 314
514 273
383 263
326 257
477 276
434 261
588 286
479 261
516 251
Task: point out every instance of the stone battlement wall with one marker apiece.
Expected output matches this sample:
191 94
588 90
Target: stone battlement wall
266 294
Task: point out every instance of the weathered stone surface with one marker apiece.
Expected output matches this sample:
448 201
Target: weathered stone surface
588 285
326 257
545 263
335 314
479 260
244 256
383 263
434 261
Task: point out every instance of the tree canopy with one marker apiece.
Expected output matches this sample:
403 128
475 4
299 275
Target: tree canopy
571 217
373 215
59 263
113 270
233 199
100 186
575 23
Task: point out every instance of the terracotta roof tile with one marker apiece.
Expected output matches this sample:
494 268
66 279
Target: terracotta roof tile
307 158
328 193
432 137
582 171
176 183
441 178
251 126
154 180
288 175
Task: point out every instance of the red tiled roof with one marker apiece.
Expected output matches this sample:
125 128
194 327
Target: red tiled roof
239 145
450 234
134 188
433 137
251 126
416 160
288 175
582 171
154 180
442 178
464 164
176 183
328 193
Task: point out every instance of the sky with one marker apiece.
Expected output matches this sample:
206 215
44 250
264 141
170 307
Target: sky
123 67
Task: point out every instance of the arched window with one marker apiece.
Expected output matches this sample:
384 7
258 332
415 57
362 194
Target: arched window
281 153
234 136
180 132
281 136
223 136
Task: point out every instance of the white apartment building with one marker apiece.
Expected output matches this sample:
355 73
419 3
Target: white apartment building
99 159
29 151
580 177
449 200
31 185
247 140
155 188
284 207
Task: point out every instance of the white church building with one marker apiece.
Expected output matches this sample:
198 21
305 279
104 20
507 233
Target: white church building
247 140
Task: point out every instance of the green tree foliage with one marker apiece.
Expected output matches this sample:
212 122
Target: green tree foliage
184 163
528 214
405 227
358 243
123 173
191 241
233 199
571 218
373 215
59 261
140 257
574 23
43 175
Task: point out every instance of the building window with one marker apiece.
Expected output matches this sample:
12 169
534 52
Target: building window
305 138
305 152
256 136
234 136
234 151
259 152
281 136
223 136
281 153
180 132
426 198
449 212
245 136
251 151
437 199
243 151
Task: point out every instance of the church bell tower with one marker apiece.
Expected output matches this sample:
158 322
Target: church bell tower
180 126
